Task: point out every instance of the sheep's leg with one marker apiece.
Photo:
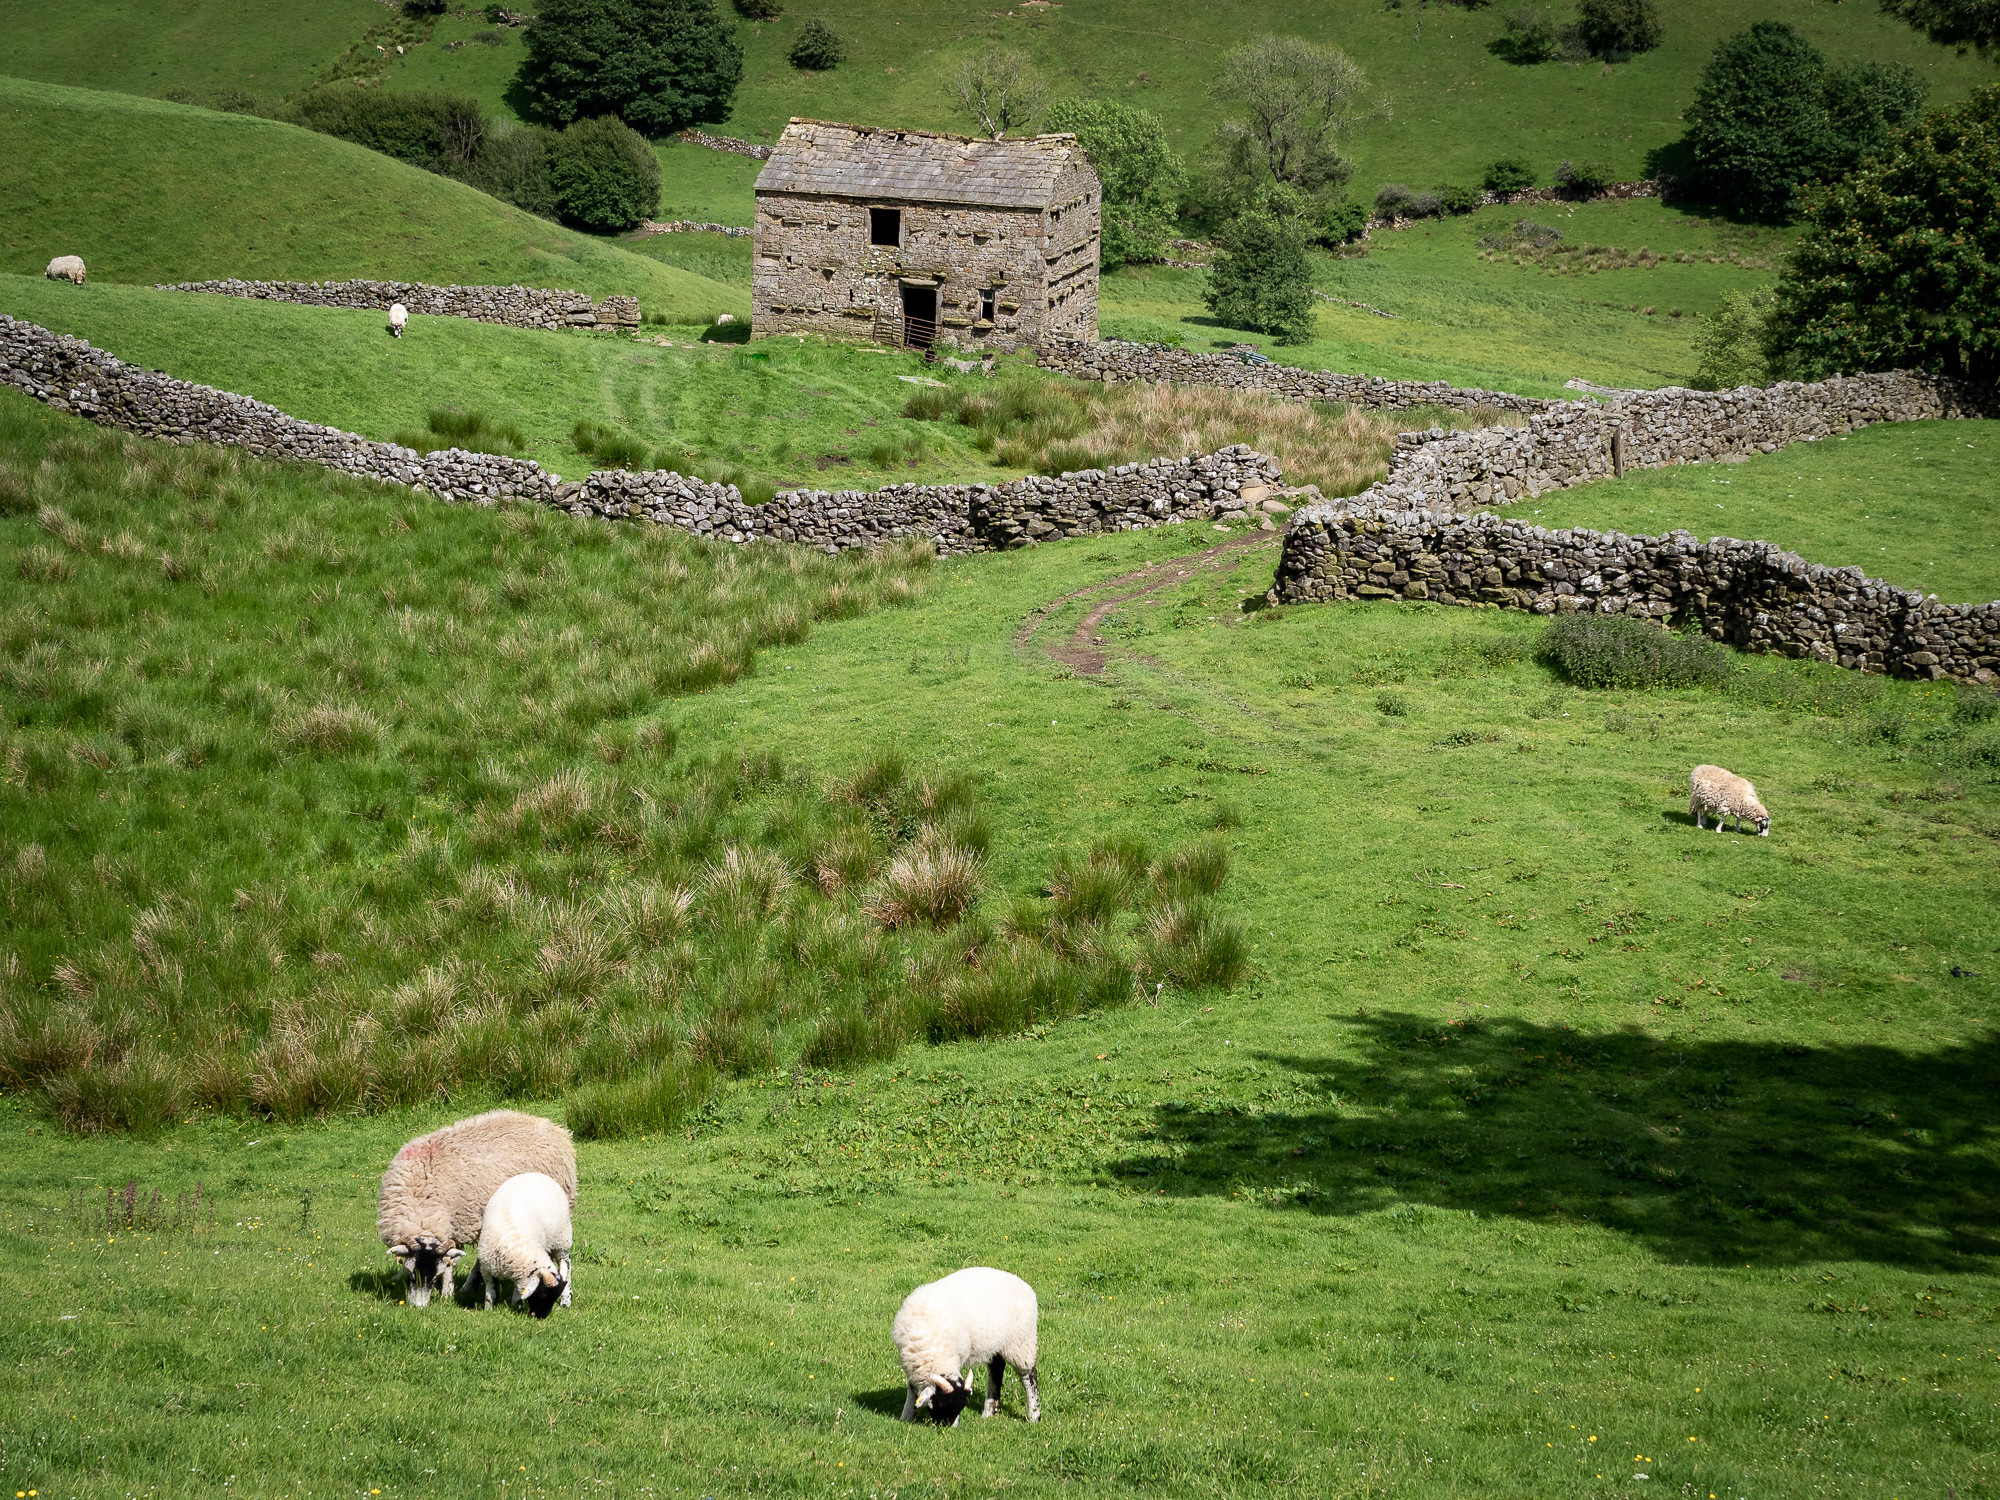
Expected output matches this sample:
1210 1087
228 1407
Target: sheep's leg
909 1405
563 1269
489 1279
996 1371
1696 810
1031 1383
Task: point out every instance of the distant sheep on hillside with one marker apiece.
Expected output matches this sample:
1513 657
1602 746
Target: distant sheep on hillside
1712 790
398 316
66 268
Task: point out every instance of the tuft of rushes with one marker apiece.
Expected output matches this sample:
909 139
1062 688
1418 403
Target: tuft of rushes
1616 651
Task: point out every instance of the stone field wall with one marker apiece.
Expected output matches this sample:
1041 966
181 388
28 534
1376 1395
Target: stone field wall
70 375
510 306
1752 595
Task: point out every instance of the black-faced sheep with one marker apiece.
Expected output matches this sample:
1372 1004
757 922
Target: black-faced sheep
524 1238
974 1316
435 1193
66 268
1726 795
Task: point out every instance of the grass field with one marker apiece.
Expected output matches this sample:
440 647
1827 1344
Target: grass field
152 192
1913 503
1549 1143
1456 105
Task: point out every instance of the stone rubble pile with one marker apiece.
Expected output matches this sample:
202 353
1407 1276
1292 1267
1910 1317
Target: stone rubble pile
693 226
509 306
70 375
1753 595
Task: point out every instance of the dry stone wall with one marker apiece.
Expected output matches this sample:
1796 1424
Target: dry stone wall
70 375
510 306
1752 595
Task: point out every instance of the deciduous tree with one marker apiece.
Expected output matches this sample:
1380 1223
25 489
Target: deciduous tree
1142 176
659 65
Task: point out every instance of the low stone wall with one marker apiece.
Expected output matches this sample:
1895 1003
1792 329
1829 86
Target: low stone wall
1752 595
70 375
727 143
694 226
510 306
1117 361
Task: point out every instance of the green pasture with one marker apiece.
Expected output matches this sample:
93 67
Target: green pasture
1913 502
1455 105
152 192
796 412
1549 1143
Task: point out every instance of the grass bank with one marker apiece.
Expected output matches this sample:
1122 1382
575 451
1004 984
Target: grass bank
153 192
1912 503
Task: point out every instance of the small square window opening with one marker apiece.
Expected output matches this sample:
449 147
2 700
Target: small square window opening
885 226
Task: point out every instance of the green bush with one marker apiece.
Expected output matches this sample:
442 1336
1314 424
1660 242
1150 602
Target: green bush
1401 201
759 10
1729 347
1454 198
1619 28
1262 280
1141 174
659 65
438 132
604 176
513 166
1585 179
1534 35
1616 651
818 48
1896 267
1340 221
1509 174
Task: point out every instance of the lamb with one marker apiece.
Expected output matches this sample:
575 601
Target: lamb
524 1237
1727 795
66 268
974 1316
398 316
435 1192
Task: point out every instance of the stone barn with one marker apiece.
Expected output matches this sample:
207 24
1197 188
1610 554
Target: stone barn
913 238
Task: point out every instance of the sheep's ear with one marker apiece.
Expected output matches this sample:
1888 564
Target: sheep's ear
401 1252
454 1255
924 1397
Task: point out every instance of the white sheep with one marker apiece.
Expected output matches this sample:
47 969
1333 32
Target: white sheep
435 1192
975 1316
1727 795
66 268
398 316
524 1238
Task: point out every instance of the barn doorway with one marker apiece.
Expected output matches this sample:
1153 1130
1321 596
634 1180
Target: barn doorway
919 316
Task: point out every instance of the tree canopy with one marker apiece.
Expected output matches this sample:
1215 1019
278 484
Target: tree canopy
1899 264
1299 102
1262 279
1142 176
659 65
1953 23
604 175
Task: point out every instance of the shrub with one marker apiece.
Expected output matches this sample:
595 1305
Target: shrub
1895 267
1533 35
1262 280
604 175
818 48
1339 221
1619 28
438 132
1141 174
1617 651
1455 199
1509 174
659 65
1585 179
513 166
759 10
1730 346
1401 201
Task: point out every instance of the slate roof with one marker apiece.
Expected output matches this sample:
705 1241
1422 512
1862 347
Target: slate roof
916 166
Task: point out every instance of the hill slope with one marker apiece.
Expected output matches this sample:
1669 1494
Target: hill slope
150 192
1457 106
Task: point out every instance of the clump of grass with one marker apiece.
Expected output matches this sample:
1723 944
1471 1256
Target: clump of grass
473 431
607 446
1617 651
935 881
1392 705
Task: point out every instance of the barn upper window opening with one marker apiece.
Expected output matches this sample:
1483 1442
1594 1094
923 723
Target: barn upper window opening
986 304
885 226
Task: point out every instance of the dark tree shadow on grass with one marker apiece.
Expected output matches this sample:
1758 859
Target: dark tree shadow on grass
1721 1151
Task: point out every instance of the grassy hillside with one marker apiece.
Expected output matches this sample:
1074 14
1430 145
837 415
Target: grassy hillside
1549 1143
149 192
148 49
1914 503
1456 105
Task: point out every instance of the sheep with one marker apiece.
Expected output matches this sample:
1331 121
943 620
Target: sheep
66 268
398 316
1727 795
435 1192
524 1237
973 1316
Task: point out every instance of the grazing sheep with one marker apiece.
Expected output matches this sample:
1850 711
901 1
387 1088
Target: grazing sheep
398 316
1727 795
975 1316
524 1237
66 268
435 1192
